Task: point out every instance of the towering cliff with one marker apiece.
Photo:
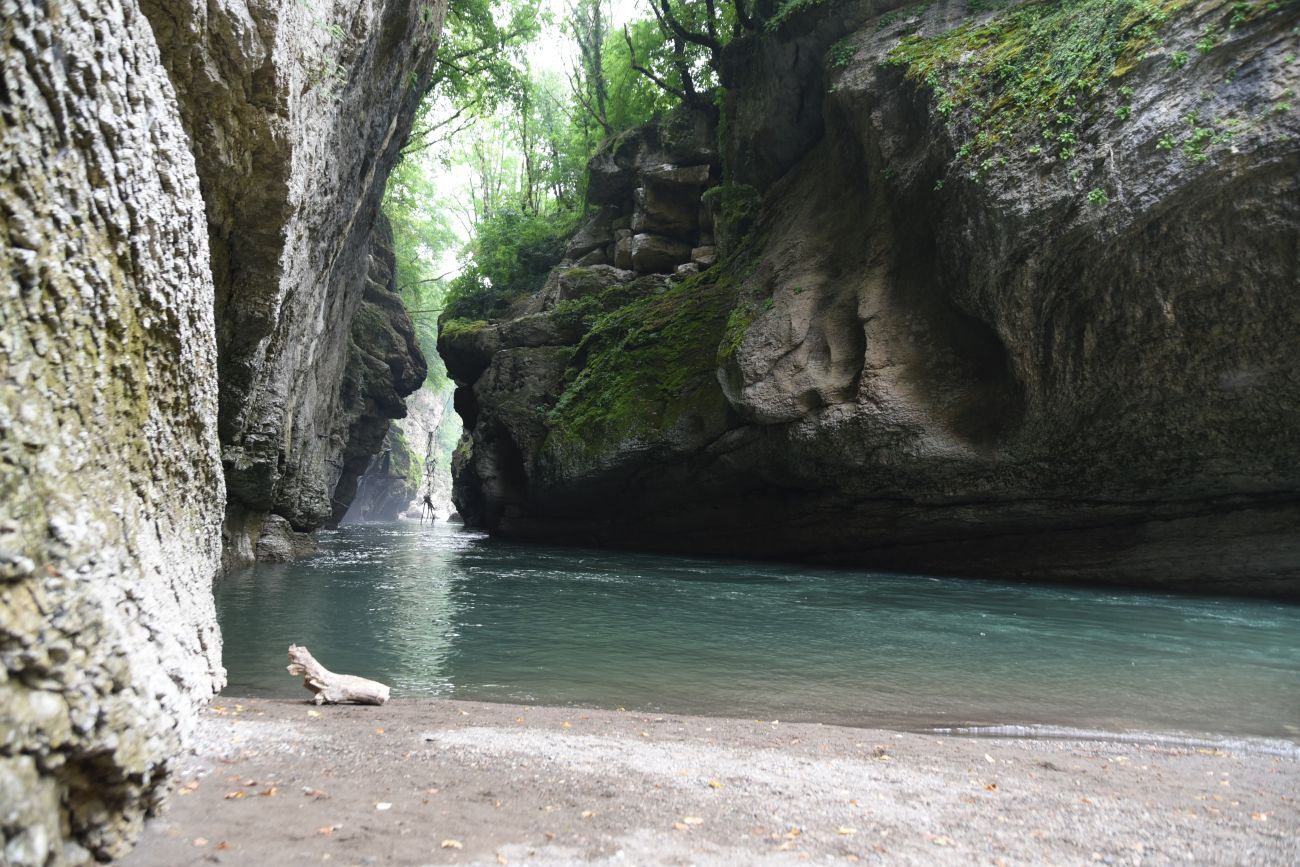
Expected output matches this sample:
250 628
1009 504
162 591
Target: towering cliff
158 157
1002 293
110 478
297 112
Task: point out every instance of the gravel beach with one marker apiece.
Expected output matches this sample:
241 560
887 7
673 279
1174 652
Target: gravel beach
445 782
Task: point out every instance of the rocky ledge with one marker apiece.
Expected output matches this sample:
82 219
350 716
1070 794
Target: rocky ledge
1022 321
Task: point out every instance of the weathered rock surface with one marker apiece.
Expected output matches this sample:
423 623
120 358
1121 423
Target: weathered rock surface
384 365
297 112
939 353
647 184
124 212
110 477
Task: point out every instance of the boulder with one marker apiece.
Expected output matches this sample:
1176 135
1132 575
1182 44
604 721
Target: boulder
669 209
705 256
656 254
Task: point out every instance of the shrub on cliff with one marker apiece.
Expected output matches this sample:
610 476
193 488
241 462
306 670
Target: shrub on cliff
510 256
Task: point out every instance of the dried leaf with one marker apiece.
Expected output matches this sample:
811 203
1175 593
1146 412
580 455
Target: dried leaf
222 846
714 784
845 831
452 844
678 826
587 814
1259 817
379 731
200 842
991 787
692 820
988 758
269 792
313 713
237 795
328 830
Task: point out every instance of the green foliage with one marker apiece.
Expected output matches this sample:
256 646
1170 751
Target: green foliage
1098 198
1178 59
480 55
1023 74
788 9
633 98
841 53
510 256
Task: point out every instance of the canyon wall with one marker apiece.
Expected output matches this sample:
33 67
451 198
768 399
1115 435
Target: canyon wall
111 488
297 112
157 158
978 312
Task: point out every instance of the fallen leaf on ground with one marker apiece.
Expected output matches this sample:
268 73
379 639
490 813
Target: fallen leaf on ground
692 820
269 792
941 841
200 841
327 830
313 793
1259 817
549 835
452 844
187 788
845 831
222 846
236 795
587 814
792 833
991 787
383 805
678 826
714 784
379 731
313 713
988 758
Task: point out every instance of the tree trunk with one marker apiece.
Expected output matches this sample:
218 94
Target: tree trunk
333 688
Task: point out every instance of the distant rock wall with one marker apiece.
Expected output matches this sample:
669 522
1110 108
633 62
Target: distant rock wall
111 488
944 337
297 112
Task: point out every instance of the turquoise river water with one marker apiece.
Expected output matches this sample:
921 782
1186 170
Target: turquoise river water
442 612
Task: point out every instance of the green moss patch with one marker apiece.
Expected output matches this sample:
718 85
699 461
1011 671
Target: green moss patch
645 366
1023 77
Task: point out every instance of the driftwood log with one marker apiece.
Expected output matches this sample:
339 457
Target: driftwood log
331 688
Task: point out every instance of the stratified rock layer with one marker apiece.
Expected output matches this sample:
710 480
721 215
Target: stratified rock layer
297 112
929 349
110 478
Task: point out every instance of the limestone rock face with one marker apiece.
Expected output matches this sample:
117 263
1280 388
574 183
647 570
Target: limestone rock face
384 365
1063 358
111 488
297 113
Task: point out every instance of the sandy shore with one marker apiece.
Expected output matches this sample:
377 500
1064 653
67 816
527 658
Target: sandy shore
277 782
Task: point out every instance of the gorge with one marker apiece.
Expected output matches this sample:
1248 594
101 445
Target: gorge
954 288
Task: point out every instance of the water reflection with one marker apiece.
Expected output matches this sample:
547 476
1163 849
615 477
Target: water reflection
444 612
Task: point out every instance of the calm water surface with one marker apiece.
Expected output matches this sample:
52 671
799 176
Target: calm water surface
445 612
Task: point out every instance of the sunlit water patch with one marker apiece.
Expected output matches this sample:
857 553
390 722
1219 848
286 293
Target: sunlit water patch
444 612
